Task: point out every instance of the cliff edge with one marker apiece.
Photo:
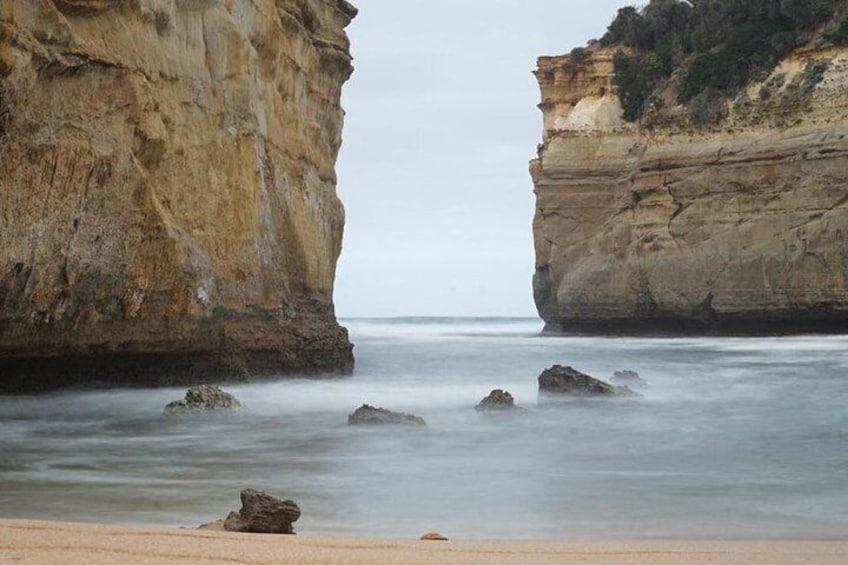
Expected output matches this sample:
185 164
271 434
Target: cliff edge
733 223
167 190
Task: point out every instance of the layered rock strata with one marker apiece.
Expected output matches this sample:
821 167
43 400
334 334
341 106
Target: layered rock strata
739 225
167 189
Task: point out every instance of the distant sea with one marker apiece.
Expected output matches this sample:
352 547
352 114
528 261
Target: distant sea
734 438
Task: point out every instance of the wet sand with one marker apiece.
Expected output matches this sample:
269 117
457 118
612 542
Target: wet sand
36 542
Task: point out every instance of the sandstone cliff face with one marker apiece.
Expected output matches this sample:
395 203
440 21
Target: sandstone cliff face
665 225
167 189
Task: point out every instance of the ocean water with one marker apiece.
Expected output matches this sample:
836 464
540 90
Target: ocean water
734 438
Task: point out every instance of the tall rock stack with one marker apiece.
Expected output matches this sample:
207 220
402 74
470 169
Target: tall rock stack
740 225
167 189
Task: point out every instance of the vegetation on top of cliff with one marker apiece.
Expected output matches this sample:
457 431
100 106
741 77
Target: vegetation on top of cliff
715 47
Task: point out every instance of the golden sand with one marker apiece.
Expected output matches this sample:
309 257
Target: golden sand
33 542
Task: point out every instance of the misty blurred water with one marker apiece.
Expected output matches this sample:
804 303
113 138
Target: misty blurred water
735 438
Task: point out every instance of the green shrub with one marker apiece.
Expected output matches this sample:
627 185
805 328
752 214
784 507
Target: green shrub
806 13
664 20
672 51
839 29
631 82
716 45
625 29
652 65
747 52
578 55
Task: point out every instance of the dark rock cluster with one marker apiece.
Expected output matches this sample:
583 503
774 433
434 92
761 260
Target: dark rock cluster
265 514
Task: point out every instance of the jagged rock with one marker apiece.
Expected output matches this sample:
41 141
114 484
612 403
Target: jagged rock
433 536
497 400
629 378
366 414
262 514
203 397
168 190
664 225
566 380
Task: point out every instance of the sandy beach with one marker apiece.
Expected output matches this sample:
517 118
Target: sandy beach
35 542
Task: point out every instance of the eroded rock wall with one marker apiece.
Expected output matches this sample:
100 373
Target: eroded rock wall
741 225
167 189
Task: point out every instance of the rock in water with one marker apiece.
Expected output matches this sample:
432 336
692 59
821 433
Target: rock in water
203 397
365 415
497 400
168 191
629 378
566 380
262 514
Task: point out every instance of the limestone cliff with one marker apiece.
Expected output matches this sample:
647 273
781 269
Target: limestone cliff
665 225
167 189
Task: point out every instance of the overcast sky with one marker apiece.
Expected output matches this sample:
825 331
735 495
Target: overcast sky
441 123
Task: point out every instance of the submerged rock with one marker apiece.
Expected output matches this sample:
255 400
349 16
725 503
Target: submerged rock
497 400
366 415
262 514
566 380
203 397
629 378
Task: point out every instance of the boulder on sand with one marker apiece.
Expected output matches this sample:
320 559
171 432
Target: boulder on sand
497 400
262 514
629 378
365 415
203 397
566 380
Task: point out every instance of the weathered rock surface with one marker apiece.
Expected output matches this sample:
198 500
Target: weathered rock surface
262 514
369 415
167 190
203 397
497 400
566 380
629 378
665 225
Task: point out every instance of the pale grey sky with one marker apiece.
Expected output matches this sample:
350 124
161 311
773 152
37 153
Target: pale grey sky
441 124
